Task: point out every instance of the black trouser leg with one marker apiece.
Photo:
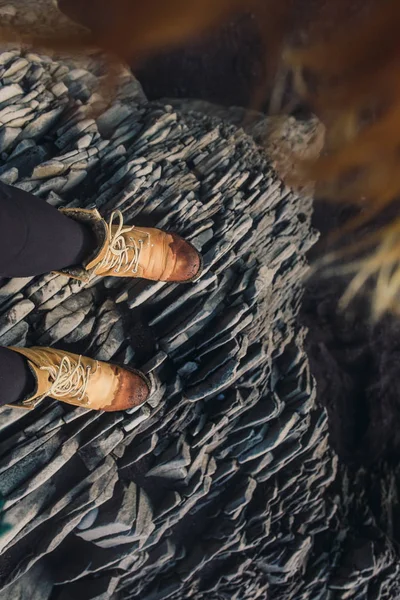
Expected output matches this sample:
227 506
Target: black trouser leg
16 379
36 238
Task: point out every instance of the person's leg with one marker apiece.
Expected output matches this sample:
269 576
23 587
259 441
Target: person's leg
36 238
16 378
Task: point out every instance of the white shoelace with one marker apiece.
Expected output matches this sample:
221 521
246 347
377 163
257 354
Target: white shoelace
69 379
117 256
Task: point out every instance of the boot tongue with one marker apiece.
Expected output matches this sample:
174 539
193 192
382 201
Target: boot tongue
94 220
35 360
139 237
42 379
90 266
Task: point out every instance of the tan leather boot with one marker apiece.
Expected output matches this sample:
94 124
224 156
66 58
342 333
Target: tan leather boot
82 381
128 251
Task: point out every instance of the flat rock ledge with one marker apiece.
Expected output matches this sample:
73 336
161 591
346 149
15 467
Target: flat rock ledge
223 485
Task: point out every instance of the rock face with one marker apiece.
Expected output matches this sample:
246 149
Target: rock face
37 17
223 485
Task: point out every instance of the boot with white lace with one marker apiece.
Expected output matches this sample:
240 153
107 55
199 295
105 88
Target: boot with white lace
82 381
129 251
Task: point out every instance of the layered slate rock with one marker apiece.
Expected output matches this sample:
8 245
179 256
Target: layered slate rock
223 485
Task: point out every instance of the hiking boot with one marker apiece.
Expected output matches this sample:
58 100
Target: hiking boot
129 251
82 381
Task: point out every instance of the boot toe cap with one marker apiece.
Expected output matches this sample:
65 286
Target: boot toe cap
188 263
134 389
